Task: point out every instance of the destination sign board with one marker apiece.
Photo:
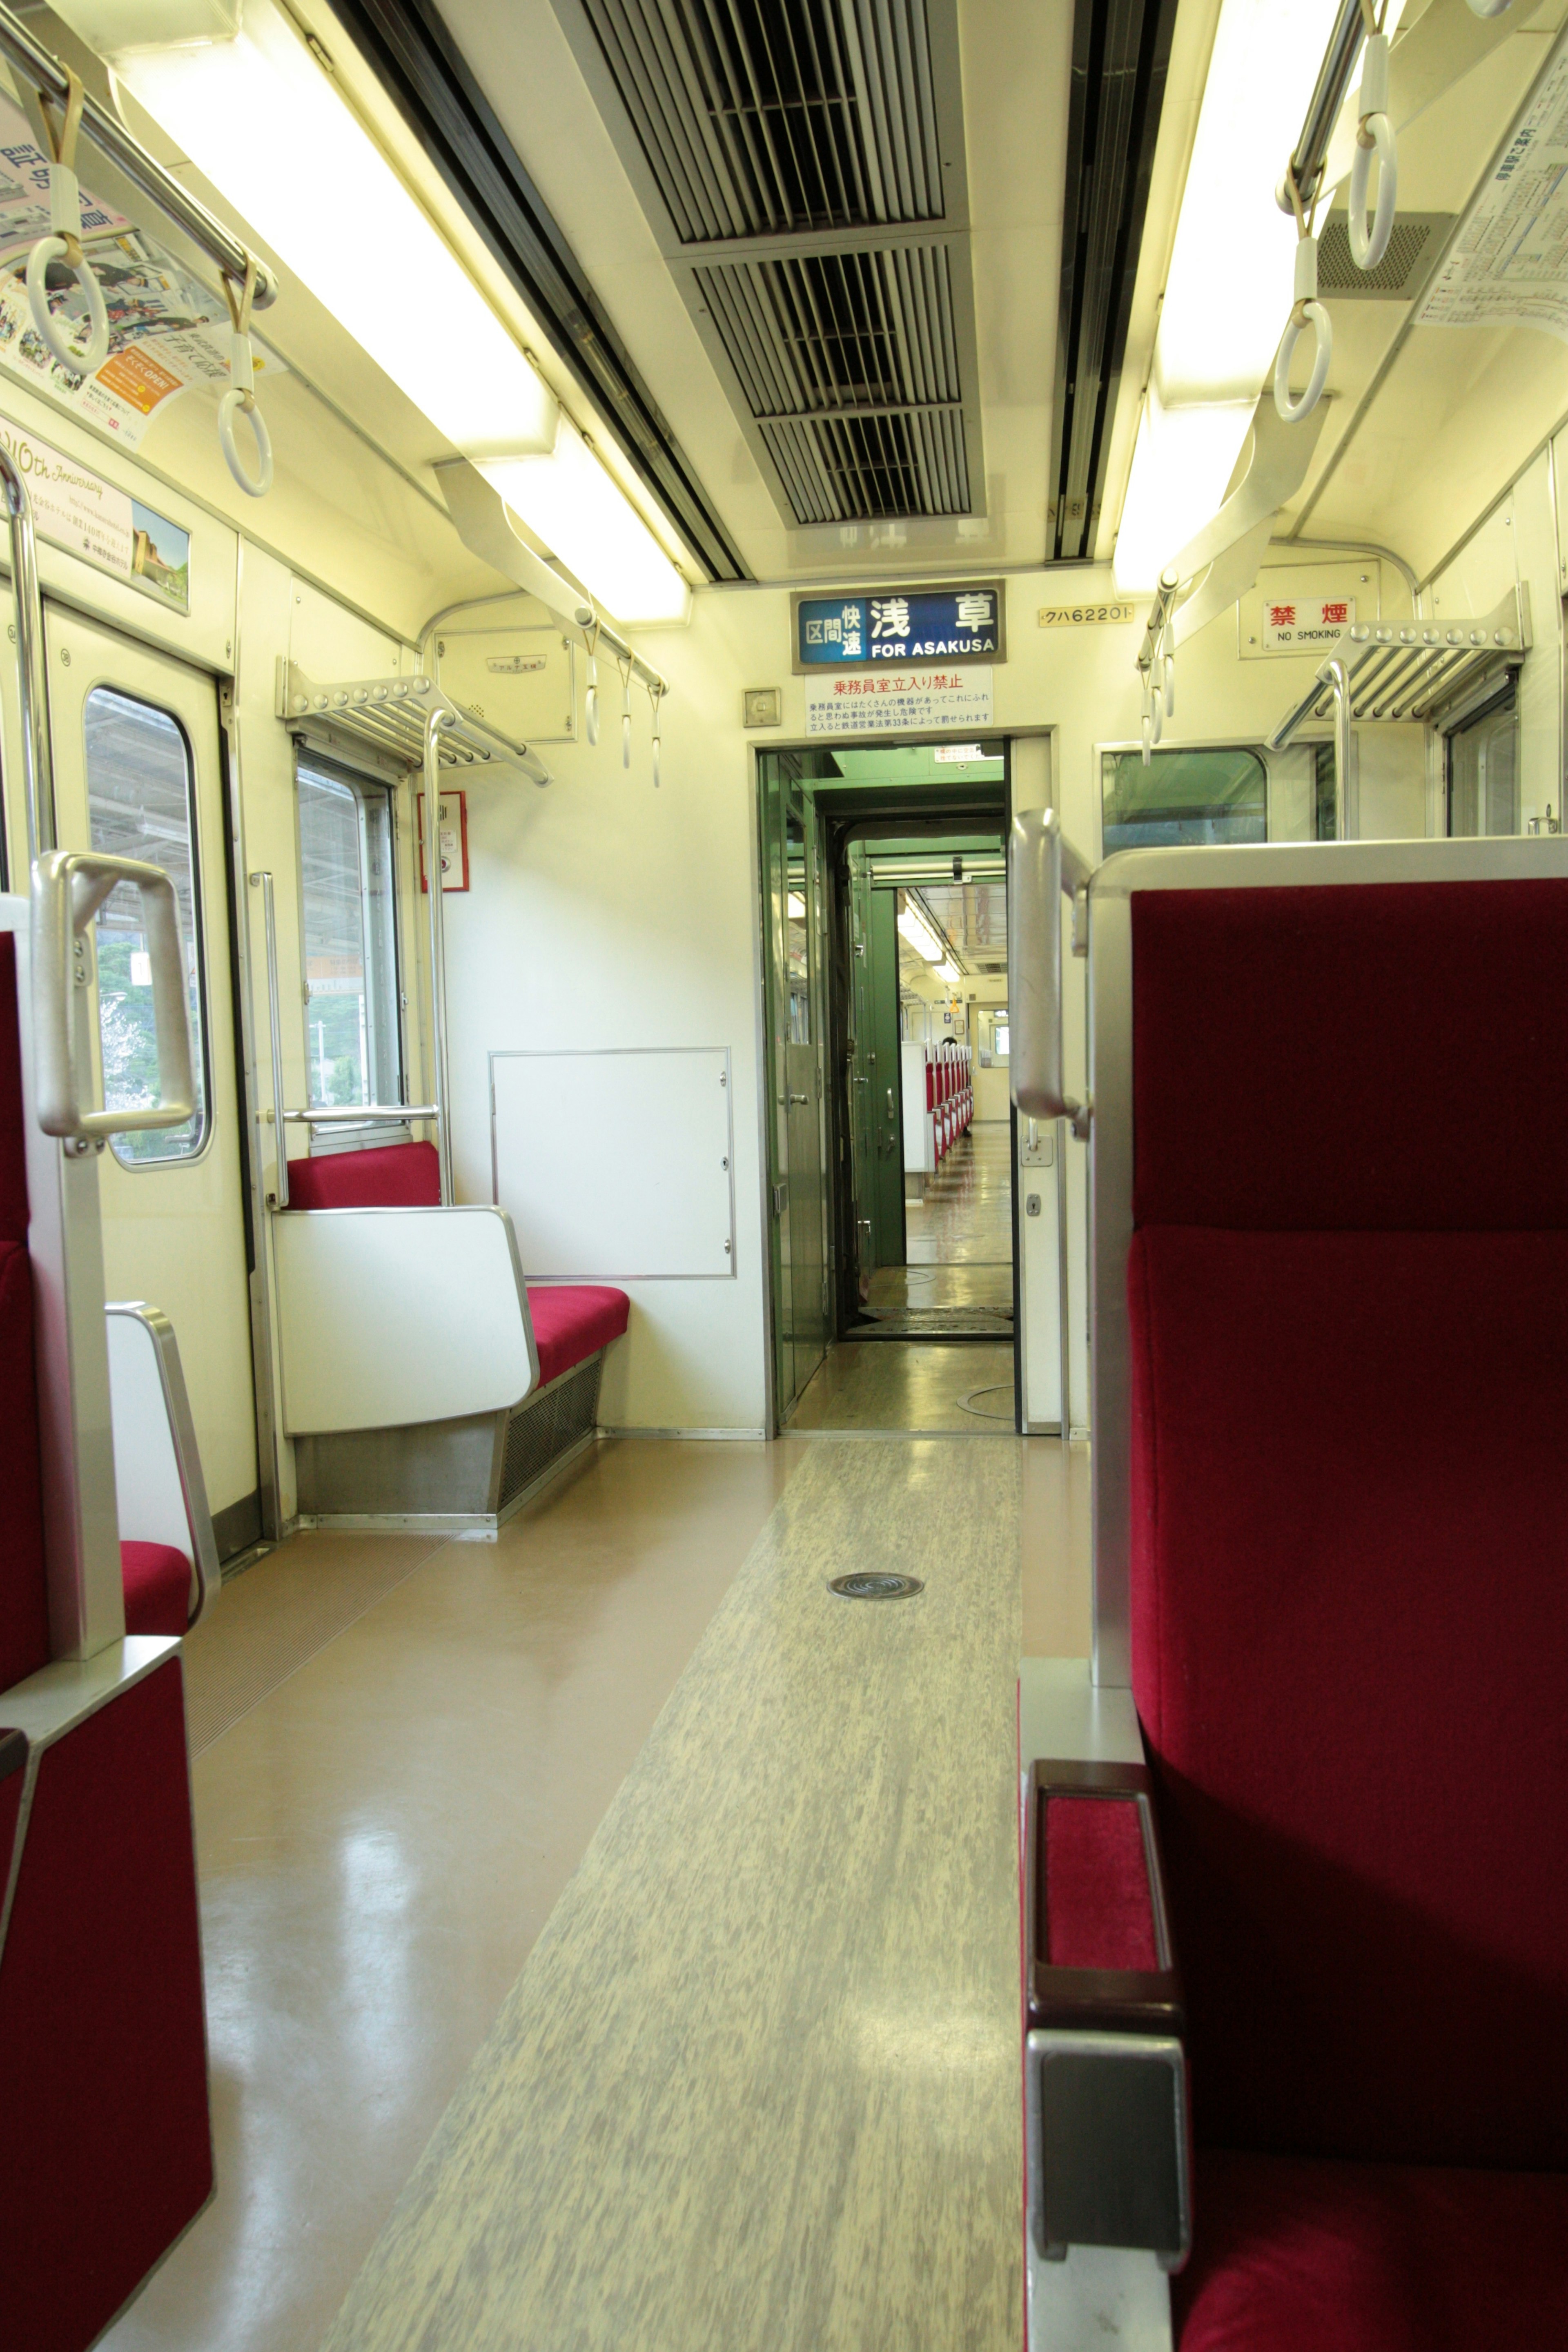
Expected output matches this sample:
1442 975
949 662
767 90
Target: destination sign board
900 626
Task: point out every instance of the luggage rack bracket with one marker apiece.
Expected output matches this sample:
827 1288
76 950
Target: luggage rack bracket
392 715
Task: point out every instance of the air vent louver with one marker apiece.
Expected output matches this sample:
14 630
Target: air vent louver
849 362
1412 248
771 132
760 117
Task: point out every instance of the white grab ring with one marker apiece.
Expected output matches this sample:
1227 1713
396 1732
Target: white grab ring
88 361
236 403
1293 412
1369 246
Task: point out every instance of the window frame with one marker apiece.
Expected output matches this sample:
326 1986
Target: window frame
1106 752
349 1134
154 1163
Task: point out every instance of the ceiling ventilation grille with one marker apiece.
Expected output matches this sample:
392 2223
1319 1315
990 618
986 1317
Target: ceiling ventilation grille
760 117
802 162
849 362
1412 248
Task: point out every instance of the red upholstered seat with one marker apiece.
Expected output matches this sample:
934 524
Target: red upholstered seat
1350 1599
571 1321
392 1176
1297 2256
157 1580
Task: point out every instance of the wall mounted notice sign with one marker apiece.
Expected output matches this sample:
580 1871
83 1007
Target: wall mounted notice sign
75 509
1305 624
1505 267
452 816
898 702
963 624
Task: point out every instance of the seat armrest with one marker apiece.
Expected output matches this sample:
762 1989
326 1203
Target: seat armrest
1098 1953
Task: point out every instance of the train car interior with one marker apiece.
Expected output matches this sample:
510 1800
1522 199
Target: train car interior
783 1227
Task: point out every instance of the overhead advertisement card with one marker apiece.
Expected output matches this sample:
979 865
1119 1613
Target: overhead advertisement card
75 509
962 624
1508 266
898 702
166 331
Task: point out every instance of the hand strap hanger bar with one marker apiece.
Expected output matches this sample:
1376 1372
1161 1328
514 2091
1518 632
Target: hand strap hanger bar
53 81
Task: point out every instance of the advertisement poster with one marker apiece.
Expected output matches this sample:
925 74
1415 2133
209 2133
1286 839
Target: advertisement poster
898 701
1509 265
167 330
75 509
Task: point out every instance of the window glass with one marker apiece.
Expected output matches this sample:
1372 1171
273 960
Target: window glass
798 938
141 797
354 1043
1483 771
1184 797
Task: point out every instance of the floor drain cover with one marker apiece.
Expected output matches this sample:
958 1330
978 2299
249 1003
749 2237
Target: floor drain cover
865 1585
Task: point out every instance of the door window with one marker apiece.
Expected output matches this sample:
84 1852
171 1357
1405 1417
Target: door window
1183 796
140 787
348 887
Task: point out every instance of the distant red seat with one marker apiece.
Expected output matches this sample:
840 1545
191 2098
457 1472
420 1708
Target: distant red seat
571 1322
157 1580
574 1322
390 1176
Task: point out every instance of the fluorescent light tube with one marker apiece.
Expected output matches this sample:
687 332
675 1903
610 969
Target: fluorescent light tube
919 935
261 121
1230 284
569 503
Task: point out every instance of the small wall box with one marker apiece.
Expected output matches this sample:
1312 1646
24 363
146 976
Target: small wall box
452 816
763 706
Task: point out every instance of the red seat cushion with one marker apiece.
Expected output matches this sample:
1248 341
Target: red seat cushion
157 1580
571 1321
1350 1645
1295 2256
392 1176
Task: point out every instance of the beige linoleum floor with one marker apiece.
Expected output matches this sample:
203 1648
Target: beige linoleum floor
962 1387
381 1836
409 1748
965 1213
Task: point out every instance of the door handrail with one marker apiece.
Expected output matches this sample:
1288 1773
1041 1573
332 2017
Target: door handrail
1042 868
31 683
70 886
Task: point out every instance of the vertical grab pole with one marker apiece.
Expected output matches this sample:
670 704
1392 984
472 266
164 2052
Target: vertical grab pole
32 678
263 882
432 848
1338 677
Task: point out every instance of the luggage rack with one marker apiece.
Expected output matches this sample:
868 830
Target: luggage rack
1407 669
393 715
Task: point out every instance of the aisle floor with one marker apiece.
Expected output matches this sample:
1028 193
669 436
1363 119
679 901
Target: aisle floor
966 1214
406 1748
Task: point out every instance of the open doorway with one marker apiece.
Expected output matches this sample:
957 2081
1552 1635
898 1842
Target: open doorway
890 1131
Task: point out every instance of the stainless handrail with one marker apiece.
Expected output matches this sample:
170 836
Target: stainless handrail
32 679
70 886
1334 77
435 725
263 882
359 1114
1042 868
41 67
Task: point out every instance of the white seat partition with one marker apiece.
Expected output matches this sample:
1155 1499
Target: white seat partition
161 1493
393 1317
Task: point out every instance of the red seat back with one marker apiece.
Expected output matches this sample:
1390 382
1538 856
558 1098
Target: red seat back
391 1176
1349 1296
24 1593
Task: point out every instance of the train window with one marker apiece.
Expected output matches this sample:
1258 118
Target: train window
797 937
141 790
1183 797
1325 802
1483 770
348 887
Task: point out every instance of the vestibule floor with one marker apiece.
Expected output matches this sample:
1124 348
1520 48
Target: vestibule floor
408 1748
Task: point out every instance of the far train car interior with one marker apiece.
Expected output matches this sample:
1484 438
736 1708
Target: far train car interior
783 1231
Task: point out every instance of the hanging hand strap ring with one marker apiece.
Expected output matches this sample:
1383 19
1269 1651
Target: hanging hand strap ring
1308 311
240 397
64 244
